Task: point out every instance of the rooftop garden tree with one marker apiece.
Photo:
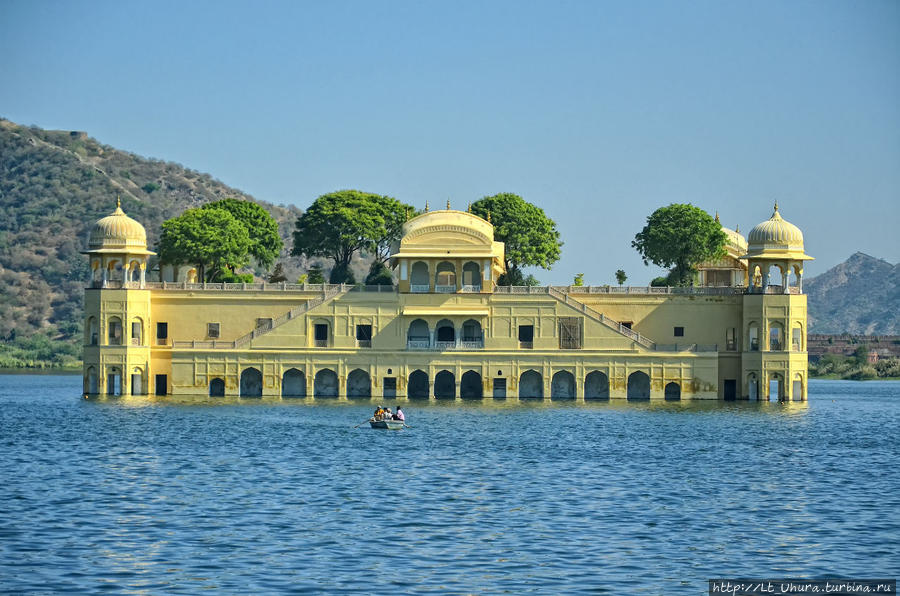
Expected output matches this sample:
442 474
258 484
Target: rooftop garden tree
340 224
213 239
529 236
265 242
678 237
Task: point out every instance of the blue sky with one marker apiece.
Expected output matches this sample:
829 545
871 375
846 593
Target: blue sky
598 112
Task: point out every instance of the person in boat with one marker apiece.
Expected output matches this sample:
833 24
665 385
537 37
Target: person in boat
379 413
388 415
398 415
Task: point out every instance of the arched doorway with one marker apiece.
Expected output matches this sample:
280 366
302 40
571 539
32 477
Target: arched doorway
445 332
797 388
217 388
470 386
445 278
776 387
325 384
418 335
417 386
137 381
596 385
673 391
114 381
753 387
251 383
531 385
418 278
562 385
359 384
445 385
472 276
293 383
91 386
638 385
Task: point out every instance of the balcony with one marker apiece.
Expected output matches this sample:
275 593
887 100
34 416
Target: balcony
419 288
443 346
445 289
471 289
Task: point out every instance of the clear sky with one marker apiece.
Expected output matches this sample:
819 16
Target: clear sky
598 112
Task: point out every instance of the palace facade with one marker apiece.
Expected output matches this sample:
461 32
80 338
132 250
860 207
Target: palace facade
446 330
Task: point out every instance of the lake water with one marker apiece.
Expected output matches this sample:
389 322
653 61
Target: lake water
136 495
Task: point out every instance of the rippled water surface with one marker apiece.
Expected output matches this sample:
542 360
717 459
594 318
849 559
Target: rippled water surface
146 495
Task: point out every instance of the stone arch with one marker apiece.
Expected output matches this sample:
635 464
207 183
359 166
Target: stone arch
217 387
752 387
797 387
137 331
91 335
417 385
418 331
114 331
114 381
596 385
775 385
445 385
445 277
753 336
359 384
293 383
638 385
134 270
136 381
91 381
418 275
672 391
251 382
471 331
562 385
471 274
531 385
326 383
470 386
444 331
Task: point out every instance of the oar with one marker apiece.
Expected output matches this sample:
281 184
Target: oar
361 423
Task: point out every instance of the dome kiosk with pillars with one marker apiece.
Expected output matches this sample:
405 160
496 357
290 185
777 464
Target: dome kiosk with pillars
775 360
117 307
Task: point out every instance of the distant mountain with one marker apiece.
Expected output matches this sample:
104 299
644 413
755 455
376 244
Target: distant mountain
53 186
861 295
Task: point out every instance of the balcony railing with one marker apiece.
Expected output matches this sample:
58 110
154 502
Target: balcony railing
445 289
364 343
419 288
418 344
320 343
475 344
443 346
526 345
467 288
135 341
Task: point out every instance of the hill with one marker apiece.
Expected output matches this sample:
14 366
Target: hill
53 186
861 296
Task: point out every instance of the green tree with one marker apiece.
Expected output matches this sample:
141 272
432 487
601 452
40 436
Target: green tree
315 275
529 236
579 280
678 237
620 276
379 275
393 214
210 238
277 275
265 243
342 223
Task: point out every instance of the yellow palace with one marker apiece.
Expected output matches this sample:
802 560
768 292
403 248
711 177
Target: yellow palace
446 330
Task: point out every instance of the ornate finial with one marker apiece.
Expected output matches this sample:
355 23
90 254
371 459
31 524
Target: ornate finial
118 202
776 206
448 204
407 214
469 208
489 216
737 229
717 217
426 206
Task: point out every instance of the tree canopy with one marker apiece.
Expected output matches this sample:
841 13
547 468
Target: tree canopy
265 243
340 224
678 237
211 238
529 236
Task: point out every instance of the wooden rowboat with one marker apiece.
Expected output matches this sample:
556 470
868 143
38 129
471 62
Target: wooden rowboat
387 424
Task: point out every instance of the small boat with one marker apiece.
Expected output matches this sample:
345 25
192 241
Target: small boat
387 424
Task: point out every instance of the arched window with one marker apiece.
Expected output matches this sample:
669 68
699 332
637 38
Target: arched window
797 337
562 385
673 391
137 332
251 383
445 332
293 383
418 335
472 276
92 338
134 271
753 337
217 387
471 331
445 277
470 386
115 331
417 386
638 385
418 279
596 385
776 337
531 385
325 383
359 384
445 385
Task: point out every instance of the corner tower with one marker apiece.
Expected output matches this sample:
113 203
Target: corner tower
117 307
775 314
